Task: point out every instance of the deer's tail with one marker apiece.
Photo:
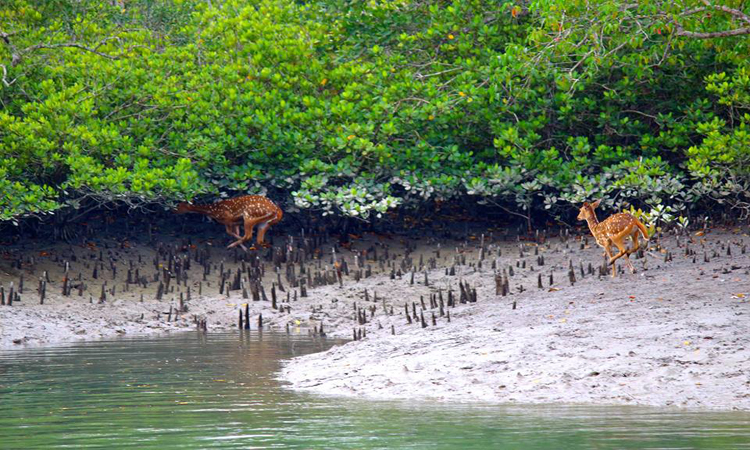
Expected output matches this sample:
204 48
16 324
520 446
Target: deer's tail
642 227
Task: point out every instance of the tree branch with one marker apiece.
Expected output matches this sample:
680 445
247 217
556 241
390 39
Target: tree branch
640 112
93 50
681 31
5 76
14 56
711 35
734 12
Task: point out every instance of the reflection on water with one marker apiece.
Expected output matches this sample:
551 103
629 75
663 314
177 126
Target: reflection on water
217 390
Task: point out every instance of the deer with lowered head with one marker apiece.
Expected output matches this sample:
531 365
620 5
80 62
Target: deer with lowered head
614 230
247 211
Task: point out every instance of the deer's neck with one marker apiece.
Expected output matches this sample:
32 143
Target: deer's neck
593 223
200 209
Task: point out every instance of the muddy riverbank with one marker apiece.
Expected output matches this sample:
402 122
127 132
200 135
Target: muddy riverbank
673 334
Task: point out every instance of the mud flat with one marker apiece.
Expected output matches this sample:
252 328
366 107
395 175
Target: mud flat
676 334
673 334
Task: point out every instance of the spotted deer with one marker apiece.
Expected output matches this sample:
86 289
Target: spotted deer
247 210
614 230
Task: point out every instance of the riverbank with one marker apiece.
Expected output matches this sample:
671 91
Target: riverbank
673 334
674 337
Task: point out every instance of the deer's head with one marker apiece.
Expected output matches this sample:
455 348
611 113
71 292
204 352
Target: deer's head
183 208
587 210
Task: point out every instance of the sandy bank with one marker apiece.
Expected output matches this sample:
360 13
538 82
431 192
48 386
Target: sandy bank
675 335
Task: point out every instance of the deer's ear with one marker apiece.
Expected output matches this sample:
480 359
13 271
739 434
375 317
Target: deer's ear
596 203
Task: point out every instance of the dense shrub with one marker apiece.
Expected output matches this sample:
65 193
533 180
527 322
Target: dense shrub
356 108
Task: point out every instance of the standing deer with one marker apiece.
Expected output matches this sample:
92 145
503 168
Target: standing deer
247 210
614 230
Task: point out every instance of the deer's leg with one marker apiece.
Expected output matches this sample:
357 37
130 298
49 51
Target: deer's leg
623 252
636 246
627 257
262 231
237 232
636 241
608 254
264 222
233 230
249 224
620 239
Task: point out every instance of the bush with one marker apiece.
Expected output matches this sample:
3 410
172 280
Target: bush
356 108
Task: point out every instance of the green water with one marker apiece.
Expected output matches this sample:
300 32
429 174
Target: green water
217 390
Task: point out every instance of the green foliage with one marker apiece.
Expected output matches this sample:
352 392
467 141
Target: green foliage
356 108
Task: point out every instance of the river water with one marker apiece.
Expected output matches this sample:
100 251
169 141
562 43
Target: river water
195 390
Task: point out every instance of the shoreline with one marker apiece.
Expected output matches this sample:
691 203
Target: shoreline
671 335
